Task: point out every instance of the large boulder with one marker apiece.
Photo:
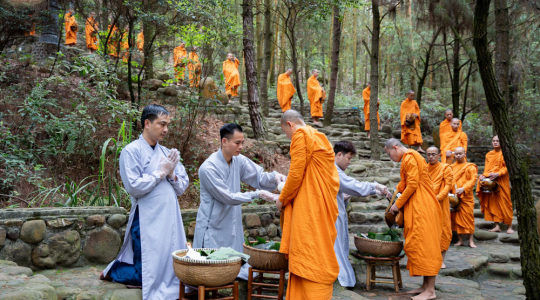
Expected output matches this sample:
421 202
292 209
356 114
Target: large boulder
209 90
436 137
33 231
62 249
19 253
154 84
102 245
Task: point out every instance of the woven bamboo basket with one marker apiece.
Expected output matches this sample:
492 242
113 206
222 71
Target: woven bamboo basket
266 259
209 273
377 248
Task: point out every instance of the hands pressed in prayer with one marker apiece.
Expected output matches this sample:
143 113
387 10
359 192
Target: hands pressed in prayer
460 191
280 178
174 156
265 195
493 176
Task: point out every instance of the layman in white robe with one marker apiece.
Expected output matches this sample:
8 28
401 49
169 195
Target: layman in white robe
153 177
219 219
348 186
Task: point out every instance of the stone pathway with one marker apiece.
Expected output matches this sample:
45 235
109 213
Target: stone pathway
491 271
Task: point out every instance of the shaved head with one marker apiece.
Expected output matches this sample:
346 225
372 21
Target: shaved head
292 116
432 154
459 149
393 142
433 149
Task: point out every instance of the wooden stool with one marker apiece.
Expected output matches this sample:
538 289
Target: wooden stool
214 291
257 284
373 262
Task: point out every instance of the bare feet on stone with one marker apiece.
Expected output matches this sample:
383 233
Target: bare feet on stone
425 296
458 244
417 291
472 245
510 230
496 229
443 266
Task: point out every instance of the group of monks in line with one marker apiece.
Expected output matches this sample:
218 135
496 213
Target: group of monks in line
312 202
117 44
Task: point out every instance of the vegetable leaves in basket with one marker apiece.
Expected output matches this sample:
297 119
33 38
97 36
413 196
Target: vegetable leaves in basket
261 243
389 236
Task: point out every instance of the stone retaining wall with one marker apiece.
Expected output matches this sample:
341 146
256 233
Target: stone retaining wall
46 238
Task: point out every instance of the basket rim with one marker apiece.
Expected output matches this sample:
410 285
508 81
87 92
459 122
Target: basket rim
203 262
377 241
262 250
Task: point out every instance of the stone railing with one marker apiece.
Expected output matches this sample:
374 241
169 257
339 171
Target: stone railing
46 238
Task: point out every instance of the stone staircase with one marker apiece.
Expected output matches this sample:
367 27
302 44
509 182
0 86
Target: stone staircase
366 214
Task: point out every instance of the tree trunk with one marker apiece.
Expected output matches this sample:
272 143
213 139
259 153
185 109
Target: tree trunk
49 24
242 76
374 79
266 57
425 71
517 167
259 38
502 47
294 52
336 40
455 76
149 31
272 71
251 71
355 46
282 53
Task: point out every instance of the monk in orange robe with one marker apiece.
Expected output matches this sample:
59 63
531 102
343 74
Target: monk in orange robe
366 94
113 44
451 140
69 21
310 211
316 97
445 125
442 176
496 206
194 68
423 219
140 41
124 44
285 90
32 26
91 33
465 175
179 57
232 76
410 133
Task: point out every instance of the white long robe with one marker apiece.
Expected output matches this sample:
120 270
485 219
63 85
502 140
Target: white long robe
162 230
353 187
219 218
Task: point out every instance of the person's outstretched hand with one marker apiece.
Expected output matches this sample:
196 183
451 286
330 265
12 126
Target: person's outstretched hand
265 195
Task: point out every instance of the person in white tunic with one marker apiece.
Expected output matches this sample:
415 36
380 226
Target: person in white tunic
153 177
348 186
219 218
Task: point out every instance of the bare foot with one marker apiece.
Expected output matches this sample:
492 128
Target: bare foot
421 150
458 244
417 291
443 266
496 229
425 296
510 230
472 245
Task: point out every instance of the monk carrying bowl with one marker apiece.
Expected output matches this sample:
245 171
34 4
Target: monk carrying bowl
489 186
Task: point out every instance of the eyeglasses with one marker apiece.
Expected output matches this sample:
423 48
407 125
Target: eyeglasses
431 154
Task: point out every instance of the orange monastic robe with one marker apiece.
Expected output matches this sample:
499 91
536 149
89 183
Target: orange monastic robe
32 28
423 225
71 36
113 45
408 136
180 53
140 41
124 44
232 77
315 96
91 31
465 175
452 140
497 207
446 127
309 215
366 93
192 65
285 91
442 176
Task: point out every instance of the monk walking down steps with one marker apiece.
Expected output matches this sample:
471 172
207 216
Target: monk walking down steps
316 97
442 176
232 76
366 94
285 90
422 224
465 175
410 122
495 203
310 211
